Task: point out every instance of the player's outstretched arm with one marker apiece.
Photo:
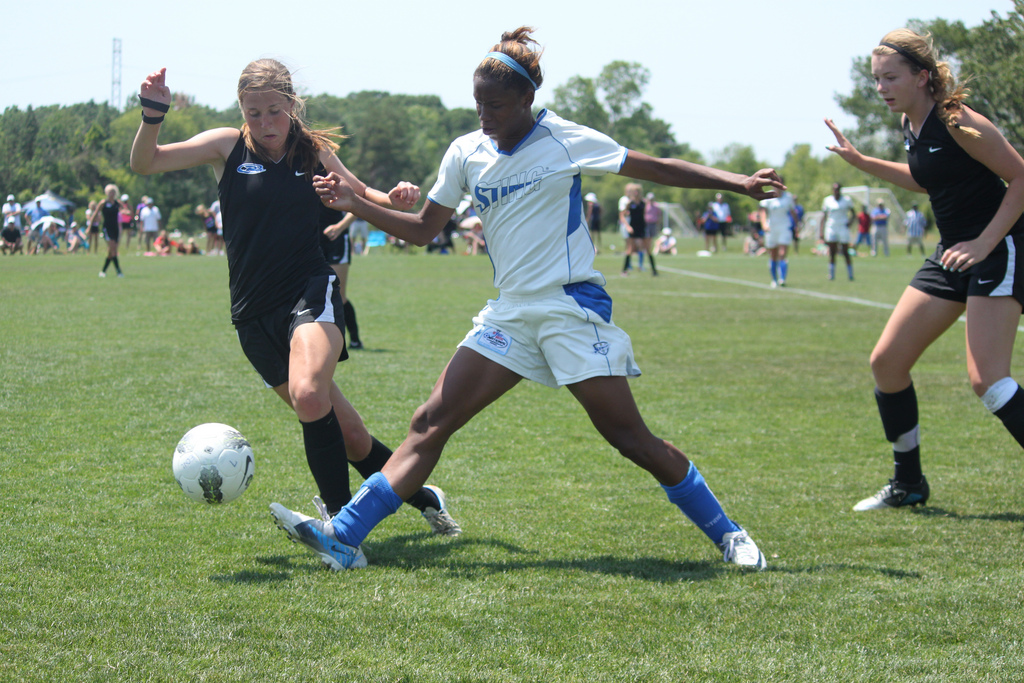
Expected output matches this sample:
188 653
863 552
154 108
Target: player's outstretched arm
417 229
889 171
679 173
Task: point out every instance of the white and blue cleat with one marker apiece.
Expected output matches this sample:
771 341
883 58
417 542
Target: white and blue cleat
739 548
317 535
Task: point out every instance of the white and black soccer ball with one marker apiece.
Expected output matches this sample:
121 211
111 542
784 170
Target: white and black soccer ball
213 463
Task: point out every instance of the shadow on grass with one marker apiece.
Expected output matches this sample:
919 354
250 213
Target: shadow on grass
409 552
930 511
284 570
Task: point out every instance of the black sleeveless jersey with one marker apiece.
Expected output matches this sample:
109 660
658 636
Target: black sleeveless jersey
110 211
964 193
270 213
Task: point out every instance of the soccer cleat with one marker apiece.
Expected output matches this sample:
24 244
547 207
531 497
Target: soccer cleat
439 520
896 495
319 537
355 344
739 549
102 274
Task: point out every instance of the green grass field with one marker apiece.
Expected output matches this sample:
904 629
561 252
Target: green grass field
573 566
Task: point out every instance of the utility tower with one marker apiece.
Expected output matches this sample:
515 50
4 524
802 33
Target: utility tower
115 76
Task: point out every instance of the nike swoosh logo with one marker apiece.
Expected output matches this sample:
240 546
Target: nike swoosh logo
985 282
934 149
298 173
305 311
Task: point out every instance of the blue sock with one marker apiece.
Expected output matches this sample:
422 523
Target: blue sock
849 270
831 271
783 270
372 503
640 257
773 267
695 499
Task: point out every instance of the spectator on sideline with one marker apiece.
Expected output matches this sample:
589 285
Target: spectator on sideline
798 224
150 222
723 216
11 236
915 222
863 230
12 209
880 235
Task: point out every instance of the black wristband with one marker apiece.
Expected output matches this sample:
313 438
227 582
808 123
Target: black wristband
152 104
152 119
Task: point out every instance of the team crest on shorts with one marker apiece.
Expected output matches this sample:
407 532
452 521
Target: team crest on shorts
495 340
602 348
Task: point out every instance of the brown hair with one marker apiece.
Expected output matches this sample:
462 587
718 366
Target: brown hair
520 46
304 145
947 92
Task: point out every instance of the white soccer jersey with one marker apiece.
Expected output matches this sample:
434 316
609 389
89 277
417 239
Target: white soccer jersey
837 212
778 210
529 200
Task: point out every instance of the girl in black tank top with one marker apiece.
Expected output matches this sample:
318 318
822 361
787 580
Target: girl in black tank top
283 297
975 181
108 210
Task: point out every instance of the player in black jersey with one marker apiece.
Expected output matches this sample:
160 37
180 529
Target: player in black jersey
336 243
975 181
285 302
108 210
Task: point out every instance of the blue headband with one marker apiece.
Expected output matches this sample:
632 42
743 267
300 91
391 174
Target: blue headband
512 64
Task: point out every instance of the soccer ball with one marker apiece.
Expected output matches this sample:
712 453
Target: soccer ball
213 463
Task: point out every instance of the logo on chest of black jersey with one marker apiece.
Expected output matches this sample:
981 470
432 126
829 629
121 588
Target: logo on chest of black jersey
251 169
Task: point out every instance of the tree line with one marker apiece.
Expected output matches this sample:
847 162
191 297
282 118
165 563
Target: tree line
74 151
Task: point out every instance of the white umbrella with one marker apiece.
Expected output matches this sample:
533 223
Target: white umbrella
45 221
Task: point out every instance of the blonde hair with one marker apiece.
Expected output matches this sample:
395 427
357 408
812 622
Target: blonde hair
919 54
304 145
520 46
111 186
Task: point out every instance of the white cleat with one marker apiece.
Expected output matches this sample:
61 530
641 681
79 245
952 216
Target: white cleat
440 521
739 549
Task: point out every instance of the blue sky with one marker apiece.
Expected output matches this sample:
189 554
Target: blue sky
755 73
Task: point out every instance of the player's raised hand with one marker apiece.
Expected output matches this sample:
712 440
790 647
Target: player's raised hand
154 87
843 147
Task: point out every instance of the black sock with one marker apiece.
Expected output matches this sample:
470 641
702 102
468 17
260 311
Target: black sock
653 269
627 265
106 264
325 453
350 321
899 418
1012 415
374 462
117 265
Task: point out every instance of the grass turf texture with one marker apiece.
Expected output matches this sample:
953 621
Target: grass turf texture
573 566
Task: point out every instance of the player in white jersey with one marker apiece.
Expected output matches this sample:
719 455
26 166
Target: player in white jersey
835 228
778 215
552 320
